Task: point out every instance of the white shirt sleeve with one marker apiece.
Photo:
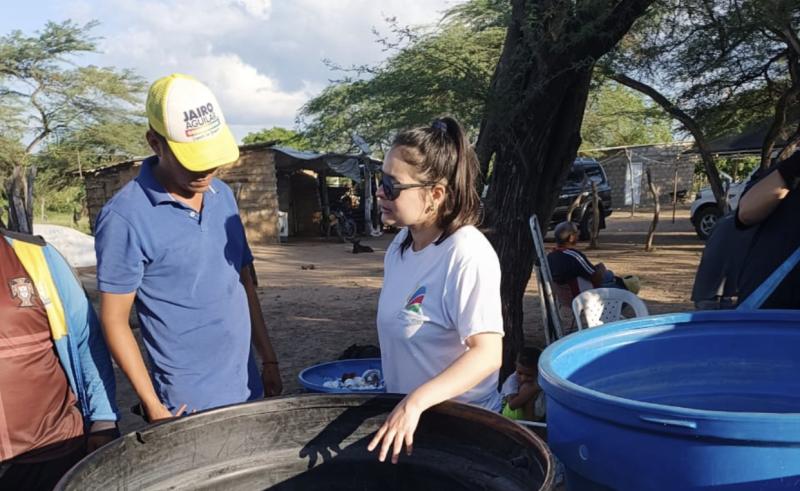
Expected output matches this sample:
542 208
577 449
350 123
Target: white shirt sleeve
510 386
472 296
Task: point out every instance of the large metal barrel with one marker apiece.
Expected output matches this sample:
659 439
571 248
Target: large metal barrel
318 441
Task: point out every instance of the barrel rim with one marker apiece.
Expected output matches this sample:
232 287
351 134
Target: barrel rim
321 400
776 427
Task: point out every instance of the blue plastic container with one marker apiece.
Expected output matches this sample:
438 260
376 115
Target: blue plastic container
706 400
313 378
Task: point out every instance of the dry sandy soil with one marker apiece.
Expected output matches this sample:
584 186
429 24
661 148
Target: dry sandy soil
315 314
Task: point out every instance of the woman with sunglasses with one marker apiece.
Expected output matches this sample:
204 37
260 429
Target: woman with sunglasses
440 324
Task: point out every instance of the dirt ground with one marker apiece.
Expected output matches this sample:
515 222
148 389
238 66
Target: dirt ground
314 314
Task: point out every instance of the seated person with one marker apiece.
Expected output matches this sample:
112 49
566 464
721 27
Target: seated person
522 396
570 267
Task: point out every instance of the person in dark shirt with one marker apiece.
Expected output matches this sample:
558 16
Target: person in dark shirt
773 205
56 379
716 280
571 268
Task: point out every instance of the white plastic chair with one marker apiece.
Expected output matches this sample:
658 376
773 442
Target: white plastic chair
602 305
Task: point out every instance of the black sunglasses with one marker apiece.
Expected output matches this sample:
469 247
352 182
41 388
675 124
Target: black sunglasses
392 189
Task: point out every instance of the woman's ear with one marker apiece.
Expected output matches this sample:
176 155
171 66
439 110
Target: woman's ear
438 193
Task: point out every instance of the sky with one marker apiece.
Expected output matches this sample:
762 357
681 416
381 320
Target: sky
263 59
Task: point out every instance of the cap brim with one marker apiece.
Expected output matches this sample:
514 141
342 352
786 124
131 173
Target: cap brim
207 154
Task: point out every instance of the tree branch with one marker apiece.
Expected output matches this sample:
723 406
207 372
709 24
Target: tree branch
691 126
614 25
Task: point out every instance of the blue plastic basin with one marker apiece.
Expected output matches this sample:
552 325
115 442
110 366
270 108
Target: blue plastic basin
706 400
312 378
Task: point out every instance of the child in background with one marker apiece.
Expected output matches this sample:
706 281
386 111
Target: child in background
522 396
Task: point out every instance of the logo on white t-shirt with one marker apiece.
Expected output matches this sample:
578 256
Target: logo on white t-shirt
414 303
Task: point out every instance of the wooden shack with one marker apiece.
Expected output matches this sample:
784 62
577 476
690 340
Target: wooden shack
265 180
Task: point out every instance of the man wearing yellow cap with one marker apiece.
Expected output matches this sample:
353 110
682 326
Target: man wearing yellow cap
172 243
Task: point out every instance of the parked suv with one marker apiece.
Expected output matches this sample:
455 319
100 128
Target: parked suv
572 188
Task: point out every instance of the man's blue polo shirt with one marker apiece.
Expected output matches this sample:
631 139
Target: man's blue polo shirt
184 267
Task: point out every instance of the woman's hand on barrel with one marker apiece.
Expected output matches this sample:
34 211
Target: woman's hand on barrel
398 430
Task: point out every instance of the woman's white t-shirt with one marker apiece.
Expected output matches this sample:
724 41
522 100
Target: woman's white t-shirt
432 301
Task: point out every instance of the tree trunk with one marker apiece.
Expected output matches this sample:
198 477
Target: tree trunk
791 145
787 99
657 210
19 189
531 126
595 232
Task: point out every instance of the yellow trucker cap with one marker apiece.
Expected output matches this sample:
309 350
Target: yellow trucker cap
188 116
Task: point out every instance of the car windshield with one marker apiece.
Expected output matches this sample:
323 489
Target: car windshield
575 177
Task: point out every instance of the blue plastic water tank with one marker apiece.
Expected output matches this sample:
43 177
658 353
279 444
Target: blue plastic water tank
705 400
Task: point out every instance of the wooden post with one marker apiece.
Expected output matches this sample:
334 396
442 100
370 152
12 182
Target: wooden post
651 234
633 187
675 191
594 243
577 201
324 201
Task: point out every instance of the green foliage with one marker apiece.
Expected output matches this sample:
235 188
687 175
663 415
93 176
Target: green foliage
62 116
480 15
447 70
444 71
278 136
736 167
723 63
54 95
618 116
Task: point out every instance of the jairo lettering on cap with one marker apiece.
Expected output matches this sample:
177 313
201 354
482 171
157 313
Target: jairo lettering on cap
198 112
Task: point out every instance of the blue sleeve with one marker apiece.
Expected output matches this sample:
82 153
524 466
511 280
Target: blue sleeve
120 258
96 371
247 254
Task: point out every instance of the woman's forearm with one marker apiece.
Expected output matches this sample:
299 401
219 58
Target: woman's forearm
466 372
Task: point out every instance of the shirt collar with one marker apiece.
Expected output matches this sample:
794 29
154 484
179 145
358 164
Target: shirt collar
150 185
152 188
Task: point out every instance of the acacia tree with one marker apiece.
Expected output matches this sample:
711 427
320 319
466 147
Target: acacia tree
447 69
531 126
716 68
429 72
52 96
278 136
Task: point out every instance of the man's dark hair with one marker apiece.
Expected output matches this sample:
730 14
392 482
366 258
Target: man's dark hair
564 231
529 357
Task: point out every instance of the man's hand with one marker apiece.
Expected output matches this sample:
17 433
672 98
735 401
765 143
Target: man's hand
106 433
271 378
159 412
